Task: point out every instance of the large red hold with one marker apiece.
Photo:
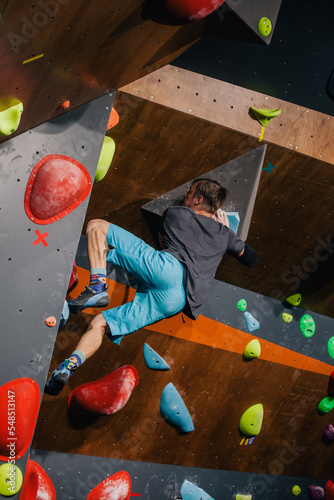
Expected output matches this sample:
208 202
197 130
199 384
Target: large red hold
36 484
329 490
105 396
19 405
192 10
181 11
115 487
56 186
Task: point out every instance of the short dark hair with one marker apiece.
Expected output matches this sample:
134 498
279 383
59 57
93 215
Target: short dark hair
214 194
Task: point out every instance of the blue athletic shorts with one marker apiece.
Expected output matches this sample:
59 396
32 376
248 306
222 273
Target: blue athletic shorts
160 292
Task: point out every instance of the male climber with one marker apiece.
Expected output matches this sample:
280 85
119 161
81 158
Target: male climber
176 278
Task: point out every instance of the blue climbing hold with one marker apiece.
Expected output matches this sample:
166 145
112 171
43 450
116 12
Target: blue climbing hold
153 360
190 491
252 324
64 315
174 411
233 221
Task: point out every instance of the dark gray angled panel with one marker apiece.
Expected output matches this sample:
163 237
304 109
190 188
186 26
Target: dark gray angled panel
240 176
74 476
37 259
251 11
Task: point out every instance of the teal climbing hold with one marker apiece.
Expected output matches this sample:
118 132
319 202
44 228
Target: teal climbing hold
287 318
153 360
233 221
190 491
252 324
242 305
330 347
265 26
252 349
174 411
64 315
294 300
105 159
326 404
307 325
10 118
251 421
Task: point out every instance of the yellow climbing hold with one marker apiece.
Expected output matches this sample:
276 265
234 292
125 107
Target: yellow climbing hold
106 156
287 318
10 116
239 496
294 299
264 116
252 349
251 421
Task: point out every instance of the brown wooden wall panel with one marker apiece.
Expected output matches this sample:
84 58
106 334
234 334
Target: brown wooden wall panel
217 386
88 49
297 128
158 149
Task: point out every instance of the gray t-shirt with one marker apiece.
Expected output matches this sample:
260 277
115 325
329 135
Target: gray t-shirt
199 242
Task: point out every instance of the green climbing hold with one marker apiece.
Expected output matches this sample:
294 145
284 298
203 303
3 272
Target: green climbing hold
10 118
296 490
10 479
326 404
240 496
251 421
330 347
106 156
242 305
265 26
264 116
252 349
287 318
307 325
294 300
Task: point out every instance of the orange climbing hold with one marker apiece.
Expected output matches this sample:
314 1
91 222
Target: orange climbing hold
19 405
56 186
105 396
36 484
51 321
65 104
115 487
113 119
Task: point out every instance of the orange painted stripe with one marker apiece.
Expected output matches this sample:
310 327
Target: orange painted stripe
207 331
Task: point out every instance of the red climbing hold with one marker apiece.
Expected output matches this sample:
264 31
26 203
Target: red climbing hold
36 484
74 278
115 487
191 10
56 186
19 405
178 12
105 396
329 490
331 384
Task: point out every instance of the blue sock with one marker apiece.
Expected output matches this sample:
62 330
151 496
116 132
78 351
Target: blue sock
74 361
97 279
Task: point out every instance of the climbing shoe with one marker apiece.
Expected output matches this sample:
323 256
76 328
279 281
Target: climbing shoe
88 298
59 378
